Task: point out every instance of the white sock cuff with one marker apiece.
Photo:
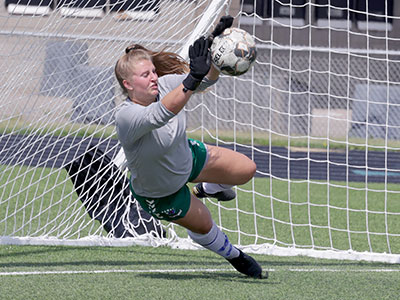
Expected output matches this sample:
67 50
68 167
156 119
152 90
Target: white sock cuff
204 239
216 241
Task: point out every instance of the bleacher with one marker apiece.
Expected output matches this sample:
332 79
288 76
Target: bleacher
128 9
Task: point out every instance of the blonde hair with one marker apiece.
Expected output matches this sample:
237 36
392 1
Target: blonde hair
164 61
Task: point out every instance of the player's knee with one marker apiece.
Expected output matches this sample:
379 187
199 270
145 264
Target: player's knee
253 169
248 172
204 228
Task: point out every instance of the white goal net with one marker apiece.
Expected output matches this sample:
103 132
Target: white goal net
318 113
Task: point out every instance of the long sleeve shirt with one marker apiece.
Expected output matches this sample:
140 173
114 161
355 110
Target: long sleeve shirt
155 143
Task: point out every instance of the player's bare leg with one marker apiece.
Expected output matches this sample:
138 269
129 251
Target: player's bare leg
225 166
224 169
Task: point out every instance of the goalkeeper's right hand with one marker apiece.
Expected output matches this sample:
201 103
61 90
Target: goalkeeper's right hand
224 23
200 63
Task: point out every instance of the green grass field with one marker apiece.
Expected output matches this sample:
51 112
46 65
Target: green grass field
45 272
335 215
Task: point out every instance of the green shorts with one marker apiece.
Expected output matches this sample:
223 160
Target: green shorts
176 206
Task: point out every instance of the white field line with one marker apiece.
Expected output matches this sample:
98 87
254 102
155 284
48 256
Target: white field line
339 270
110 271
68 272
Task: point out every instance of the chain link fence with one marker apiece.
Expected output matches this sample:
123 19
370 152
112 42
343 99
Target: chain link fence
296 92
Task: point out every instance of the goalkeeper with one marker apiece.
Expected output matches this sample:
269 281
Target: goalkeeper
151 127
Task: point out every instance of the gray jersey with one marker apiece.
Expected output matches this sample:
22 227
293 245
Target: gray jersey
155 143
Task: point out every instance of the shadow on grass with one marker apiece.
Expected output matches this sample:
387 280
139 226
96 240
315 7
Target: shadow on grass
18 251
216 276
119 263
103 257
148 257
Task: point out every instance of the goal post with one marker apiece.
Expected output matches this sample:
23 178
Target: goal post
318 113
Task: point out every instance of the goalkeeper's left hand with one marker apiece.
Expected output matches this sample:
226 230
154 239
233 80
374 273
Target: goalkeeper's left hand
200 63
224 23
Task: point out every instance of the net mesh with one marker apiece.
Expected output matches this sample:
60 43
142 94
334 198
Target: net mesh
317 113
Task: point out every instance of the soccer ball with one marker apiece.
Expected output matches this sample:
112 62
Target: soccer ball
233 52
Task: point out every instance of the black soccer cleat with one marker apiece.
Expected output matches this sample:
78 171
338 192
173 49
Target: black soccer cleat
247 265
225 195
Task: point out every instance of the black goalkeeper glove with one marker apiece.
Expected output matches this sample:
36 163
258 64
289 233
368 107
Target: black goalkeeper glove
224 23
200 63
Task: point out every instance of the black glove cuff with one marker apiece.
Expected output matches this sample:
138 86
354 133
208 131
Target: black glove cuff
191 83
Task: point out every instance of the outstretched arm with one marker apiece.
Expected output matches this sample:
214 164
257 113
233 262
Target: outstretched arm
213 74
224 23
200 63
175 100
200 67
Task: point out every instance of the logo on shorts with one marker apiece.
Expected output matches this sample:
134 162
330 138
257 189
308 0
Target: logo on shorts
172 213
194 143
151 205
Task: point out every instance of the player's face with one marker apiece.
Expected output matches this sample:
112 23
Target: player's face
143 82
